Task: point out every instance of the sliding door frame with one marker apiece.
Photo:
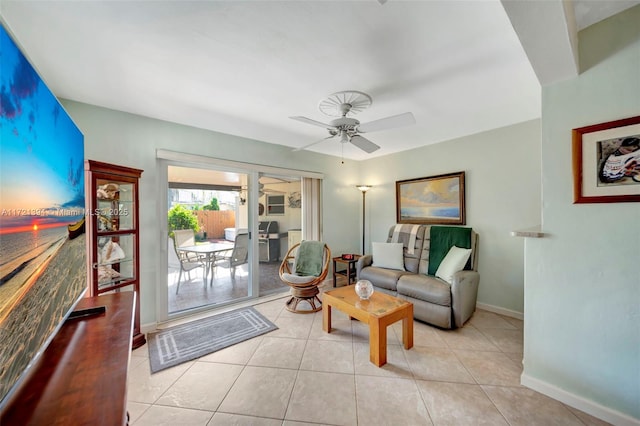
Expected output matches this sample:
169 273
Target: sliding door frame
166 158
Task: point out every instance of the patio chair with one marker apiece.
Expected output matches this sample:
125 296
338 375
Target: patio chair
233 257
188 262
185 238
303 269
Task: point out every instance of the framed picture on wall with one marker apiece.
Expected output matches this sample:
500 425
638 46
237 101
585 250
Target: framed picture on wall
606 162
432 200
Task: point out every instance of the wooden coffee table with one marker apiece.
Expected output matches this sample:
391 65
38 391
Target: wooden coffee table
378 312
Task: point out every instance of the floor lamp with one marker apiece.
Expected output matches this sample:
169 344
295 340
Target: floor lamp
364 189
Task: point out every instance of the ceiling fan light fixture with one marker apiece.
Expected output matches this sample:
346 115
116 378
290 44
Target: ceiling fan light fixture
344 137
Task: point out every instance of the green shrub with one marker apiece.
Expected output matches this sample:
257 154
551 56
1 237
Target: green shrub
181 218
213 205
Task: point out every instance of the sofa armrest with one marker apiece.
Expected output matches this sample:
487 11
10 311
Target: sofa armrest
363 262
464 294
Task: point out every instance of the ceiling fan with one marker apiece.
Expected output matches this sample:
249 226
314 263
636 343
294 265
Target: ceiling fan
262 190
349 129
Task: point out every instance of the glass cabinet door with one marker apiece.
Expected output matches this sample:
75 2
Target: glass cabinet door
114 234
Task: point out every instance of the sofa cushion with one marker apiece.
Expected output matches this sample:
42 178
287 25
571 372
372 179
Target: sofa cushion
404 236
442 238
453 262
423 287
381 277
387 255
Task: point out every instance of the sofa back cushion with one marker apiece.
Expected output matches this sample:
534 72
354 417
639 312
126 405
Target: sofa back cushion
408 234
472 264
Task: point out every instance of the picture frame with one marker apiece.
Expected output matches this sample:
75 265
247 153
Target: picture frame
436 199
606 162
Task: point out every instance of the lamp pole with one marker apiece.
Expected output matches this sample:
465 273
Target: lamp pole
364 189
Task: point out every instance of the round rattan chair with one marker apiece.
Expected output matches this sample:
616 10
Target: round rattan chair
304 288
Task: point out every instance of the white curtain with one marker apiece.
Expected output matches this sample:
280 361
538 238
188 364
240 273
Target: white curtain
311 209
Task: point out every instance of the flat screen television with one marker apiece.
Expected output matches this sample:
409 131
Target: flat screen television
43 272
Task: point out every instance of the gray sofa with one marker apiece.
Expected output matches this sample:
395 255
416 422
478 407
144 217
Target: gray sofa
435 301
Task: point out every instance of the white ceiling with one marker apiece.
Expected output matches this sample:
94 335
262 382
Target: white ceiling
244 67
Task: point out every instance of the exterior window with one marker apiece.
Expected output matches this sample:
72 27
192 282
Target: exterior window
275 204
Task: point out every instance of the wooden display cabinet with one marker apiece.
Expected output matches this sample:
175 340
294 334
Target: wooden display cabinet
113 233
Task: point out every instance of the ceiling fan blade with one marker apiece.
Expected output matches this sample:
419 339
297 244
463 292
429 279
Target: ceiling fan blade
399 120
311 144
364 144
314 122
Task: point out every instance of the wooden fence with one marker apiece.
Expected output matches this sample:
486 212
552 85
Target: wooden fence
215 221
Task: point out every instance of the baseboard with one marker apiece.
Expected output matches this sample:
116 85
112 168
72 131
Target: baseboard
148 328
501 311
582 404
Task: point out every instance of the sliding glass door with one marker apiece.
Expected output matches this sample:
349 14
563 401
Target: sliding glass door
208 245
227 228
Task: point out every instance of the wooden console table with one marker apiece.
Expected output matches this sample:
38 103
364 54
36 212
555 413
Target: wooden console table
81 378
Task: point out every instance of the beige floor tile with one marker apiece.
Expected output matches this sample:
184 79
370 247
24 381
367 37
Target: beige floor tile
329 356
423 335
239 353
285 313
224 419
491 368
517 357
505 340
261 392
202 387
396 365
459 404
395 402
271 309
297 327
361 333
517 323
323 398
142 351
522 406
485 319
135 410
279 352
437 364
146 387
159 415
468 338
293 423
340 330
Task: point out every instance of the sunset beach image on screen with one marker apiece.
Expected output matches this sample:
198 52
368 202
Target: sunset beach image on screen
42 267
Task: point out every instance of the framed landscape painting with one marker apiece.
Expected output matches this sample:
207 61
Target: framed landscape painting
606 162
431 200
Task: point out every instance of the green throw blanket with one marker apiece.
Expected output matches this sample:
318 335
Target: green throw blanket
309 258
442 239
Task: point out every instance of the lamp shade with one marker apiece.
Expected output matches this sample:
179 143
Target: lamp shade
363 188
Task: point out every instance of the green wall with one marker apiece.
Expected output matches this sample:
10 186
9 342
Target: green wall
502 182
582 282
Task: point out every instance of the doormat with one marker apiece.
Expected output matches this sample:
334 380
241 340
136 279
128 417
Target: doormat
192 340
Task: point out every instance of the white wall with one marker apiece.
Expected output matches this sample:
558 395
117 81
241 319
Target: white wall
130 140
502 179
582 291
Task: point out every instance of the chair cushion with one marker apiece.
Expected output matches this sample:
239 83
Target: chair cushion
298 279
453 262
381 277
423 287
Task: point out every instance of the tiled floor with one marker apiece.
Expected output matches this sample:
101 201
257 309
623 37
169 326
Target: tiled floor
300 375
